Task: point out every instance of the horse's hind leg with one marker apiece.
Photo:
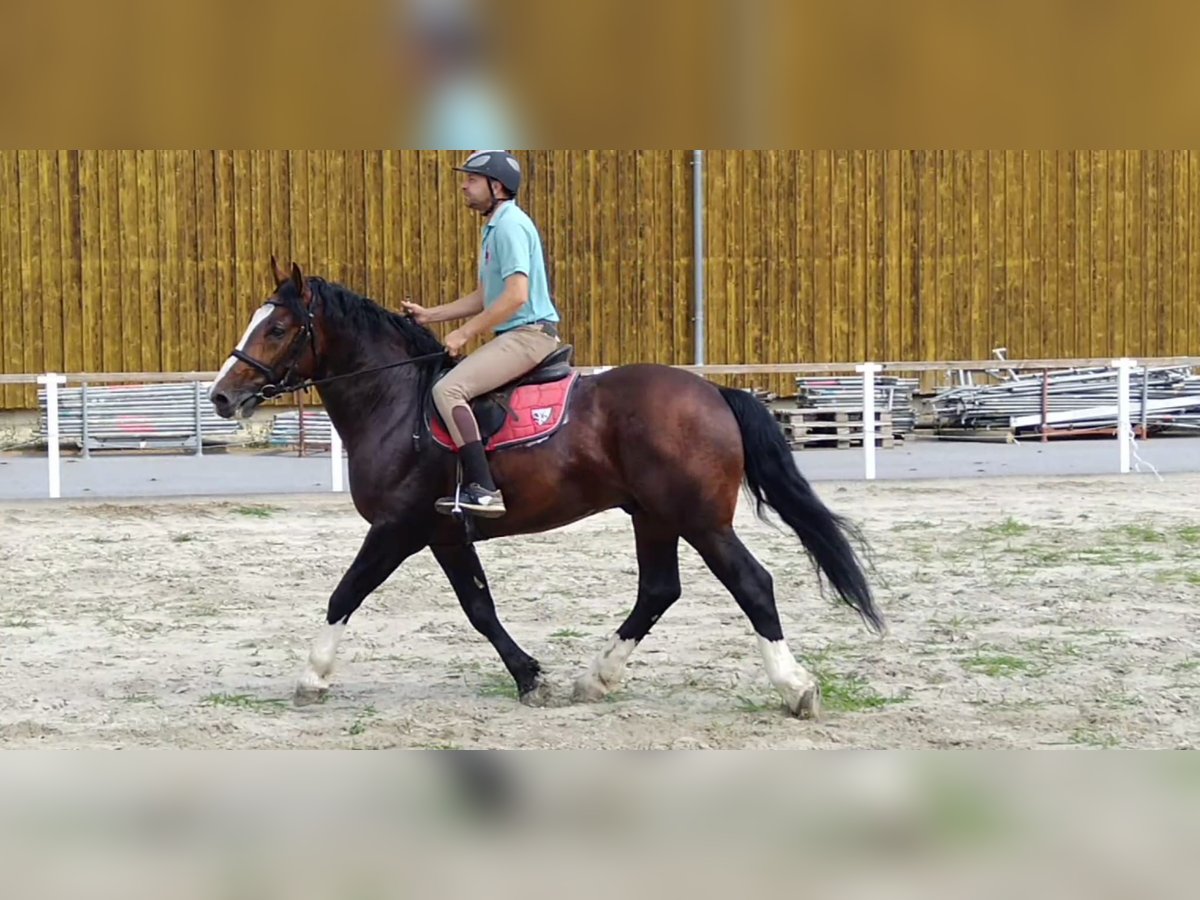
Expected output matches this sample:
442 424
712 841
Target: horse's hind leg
753 588
461 564
658 588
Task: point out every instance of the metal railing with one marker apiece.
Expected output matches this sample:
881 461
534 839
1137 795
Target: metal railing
867 370
137 417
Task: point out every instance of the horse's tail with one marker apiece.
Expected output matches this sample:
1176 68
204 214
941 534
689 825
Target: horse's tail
774 481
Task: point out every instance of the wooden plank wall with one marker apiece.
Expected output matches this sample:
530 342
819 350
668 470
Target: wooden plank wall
840 256
154 260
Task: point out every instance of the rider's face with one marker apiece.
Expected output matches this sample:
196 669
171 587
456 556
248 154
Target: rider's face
477 191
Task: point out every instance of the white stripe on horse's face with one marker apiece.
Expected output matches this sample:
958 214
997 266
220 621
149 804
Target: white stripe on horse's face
259 315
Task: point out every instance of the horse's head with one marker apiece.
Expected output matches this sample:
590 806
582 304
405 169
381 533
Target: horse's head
277 352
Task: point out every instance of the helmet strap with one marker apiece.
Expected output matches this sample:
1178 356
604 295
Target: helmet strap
496 201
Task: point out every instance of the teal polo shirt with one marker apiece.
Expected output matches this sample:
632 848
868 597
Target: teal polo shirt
511 245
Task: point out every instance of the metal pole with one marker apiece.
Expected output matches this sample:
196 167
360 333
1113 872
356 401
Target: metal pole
300 421
698 254
868 373
1045 403
83 402
196 410
1145 398
52 381
1123 368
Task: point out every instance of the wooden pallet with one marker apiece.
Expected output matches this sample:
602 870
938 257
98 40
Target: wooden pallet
1009 436
833 427
977 435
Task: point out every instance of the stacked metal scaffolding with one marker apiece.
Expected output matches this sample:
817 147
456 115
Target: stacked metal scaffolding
1071 401
285 429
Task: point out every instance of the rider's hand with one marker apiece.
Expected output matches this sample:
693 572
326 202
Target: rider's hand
456 341
419 313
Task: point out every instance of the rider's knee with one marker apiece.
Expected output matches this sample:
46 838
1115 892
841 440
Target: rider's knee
447 393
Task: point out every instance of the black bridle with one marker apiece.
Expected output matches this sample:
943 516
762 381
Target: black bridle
307 338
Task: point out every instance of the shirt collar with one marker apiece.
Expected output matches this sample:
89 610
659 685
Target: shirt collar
499 211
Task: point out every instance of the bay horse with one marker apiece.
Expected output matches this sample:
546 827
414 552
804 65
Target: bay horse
666 446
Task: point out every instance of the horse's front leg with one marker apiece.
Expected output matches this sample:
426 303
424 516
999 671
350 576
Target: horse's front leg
461 565
383 549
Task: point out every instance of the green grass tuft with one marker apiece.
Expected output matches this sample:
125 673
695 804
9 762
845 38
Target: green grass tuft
1010 527
257 511
245 701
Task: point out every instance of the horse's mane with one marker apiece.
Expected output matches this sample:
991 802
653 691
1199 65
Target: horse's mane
365 316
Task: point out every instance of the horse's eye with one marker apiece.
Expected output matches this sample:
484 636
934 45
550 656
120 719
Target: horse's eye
277 331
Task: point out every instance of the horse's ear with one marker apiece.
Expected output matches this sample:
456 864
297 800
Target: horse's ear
298 281
279 273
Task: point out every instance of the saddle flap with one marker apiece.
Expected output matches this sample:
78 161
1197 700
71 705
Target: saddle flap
516 414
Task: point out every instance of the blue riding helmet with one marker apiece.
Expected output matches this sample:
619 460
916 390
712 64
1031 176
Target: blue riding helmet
497 164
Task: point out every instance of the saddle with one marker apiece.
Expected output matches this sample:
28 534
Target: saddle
495 409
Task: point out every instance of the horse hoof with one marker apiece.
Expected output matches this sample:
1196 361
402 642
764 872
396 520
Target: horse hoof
537 696
589 689
809 706
307 696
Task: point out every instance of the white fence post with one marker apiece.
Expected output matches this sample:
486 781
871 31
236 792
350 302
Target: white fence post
52 381
197 419
868 371
1124 431
335 455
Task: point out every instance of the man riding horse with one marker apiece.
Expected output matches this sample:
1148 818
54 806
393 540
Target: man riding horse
512 301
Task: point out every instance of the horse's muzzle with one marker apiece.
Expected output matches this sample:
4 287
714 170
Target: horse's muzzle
235 407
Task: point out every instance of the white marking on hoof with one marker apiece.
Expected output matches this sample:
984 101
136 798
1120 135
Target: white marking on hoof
795 683
324 649
310 689
605 672
810 704
315 681
589 689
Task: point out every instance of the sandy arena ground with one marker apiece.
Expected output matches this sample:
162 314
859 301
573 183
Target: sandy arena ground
1024 613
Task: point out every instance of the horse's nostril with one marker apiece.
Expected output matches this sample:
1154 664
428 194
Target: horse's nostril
220 400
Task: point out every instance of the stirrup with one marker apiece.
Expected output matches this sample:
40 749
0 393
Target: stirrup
456 511
458 506
454 508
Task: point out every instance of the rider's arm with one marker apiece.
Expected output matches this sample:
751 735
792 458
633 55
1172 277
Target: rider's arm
516 292
461 308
